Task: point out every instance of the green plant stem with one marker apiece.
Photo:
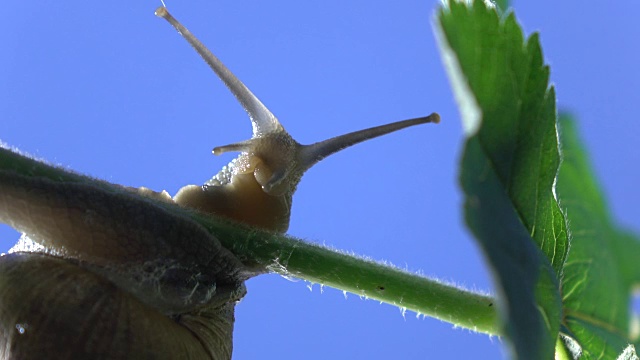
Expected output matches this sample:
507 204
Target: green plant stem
287 256
317 264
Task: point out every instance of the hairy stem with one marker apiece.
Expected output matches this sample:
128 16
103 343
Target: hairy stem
292 257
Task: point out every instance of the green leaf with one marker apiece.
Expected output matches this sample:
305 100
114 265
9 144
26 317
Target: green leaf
509 165
602 265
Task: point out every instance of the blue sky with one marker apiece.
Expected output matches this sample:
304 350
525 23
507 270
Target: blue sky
109 90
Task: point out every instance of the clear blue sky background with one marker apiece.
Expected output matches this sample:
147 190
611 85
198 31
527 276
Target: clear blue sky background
108 89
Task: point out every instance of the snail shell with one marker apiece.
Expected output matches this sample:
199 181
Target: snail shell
104 273
108 272
54 309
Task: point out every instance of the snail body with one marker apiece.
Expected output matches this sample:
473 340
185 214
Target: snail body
108 272
257 187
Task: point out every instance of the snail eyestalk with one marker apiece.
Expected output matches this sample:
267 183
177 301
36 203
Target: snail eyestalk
312 154
257 187
262 120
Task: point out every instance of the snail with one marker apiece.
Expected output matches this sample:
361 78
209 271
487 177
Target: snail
110 272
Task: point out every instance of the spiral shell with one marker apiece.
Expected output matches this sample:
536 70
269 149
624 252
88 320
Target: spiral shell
54 309
105 273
